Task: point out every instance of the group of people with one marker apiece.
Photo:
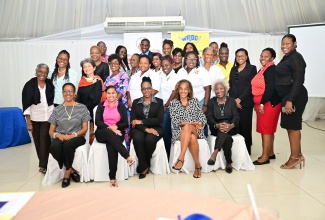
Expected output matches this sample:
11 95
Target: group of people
175 97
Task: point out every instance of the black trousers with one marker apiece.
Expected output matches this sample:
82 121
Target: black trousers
144 145
224 141
63 152
114 145
245 125
42 141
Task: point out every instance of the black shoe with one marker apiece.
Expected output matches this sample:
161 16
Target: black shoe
211 162
229 169
273 157
65 182
256 162
142 176
75 177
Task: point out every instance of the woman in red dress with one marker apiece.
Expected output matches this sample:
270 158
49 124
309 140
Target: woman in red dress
267 104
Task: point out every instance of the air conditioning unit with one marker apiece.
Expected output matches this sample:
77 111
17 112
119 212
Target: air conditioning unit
117 25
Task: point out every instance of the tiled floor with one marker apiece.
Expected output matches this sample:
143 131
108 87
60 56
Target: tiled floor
290 194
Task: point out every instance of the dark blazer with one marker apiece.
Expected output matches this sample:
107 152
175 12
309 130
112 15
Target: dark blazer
230 114
242 87
155 118
31 94
121 124
150 54
90 95
270 92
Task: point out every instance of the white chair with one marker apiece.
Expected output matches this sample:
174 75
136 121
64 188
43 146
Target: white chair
80 163
158 161
189 166
239 154
98 162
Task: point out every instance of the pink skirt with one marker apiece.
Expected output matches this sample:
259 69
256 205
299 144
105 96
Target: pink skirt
266 123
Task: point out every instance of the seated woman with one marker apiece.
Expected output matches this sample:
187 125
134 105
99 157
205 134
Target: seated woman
188 122
111 120
69 124
147 115
223 120
91 90
120 80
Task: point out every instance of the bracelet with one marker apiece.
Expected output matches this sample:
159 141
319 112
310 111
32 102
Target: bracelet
75 134
205 105
54 134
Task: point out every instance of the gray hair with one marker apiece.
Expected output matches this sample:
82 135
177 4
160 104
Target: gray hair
222 82
87 60
207 48
43 65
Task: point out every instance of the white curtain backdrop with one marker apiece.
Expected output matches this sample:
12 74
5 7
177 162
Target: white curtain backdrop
26 19
19 60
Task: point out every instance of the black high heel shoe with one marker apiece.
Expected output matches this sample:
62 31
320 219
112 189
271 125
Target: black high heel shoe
211 162
143 175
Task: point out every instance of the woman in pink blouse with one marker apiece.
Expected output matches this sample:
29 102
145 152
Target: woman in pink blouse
111 120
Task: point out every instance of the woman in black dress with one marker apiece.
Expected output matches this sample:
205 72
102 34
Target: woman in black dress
289 80
240 89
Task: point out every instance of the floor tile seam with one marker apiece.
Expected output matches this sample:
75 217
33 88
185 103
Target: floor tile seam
224 186
292 182
317 199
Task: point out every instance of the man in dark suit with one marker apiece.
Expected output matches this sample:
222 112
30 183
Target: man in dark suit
145 45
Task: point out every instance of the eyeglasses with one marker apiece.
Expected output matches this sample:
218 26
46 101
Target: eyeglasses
146 89
241 56
68 91
191 59
116 64
102 47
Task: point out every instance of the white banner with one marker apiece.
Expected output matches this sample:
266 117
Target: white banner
132 42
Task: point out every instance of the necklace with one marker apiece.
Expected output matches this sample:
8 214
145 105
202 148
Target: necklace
222 110
69 116
186 105
62 71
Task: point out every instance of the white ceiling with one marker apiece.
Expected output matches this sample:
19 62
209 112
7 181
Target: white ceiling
28 19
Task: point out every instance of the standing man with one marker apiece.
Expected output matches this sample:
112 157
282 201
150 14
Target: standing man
145 45
103 48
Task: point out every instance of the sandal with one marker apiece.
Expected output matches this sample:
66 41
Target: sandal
178 160
199 169
113 183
